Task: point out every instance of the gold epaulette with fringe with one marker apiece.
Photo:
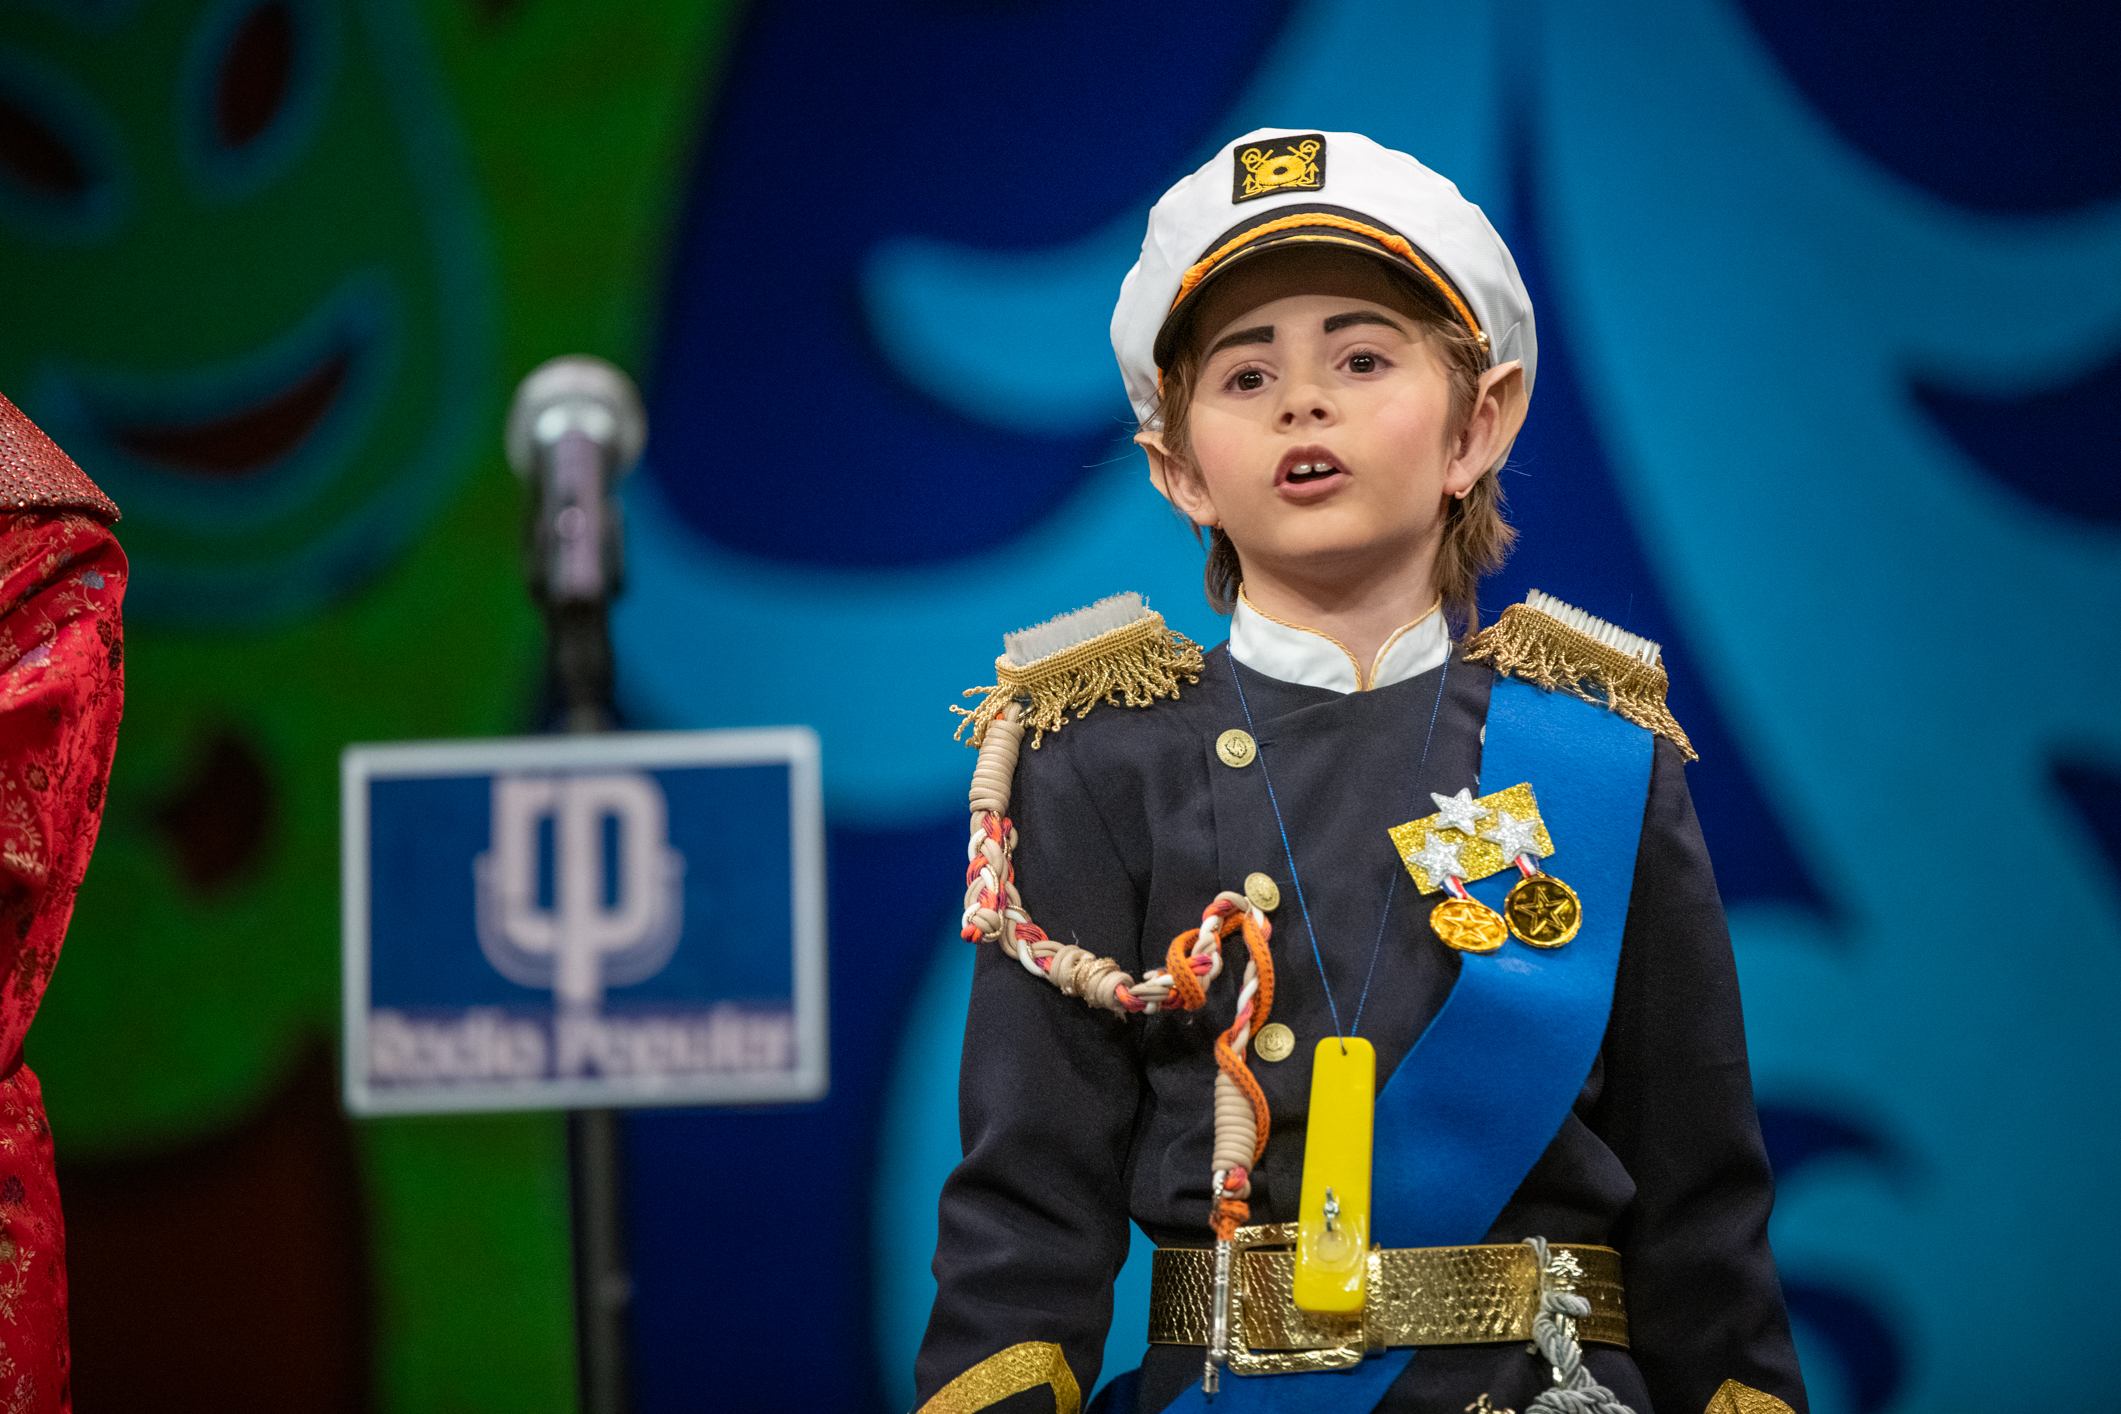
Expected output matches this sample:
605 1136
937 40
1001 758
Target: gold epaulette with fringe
1117 651
1549 644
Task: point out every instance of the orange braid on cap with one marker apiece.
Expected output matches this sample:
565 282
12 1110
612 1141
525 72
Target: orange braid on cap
1391 240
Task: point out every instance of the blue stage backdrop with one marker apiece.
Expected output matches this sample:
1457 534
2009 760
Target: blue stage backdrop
1830 402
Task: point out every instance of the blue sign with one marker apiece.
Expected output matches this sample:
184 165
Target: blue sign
584 921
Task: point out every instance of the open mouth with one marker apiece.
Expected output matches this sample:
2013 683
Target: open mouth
1308 473
247 440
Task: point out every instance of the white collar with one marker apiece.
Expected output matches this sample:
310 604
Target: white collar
1313 659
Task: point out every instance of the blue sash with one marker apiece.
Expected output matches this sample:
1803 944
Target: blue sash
1482 1094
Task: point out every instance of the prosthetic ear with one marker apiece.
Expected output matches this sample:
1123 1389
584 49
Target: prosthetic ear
1178 481
1499 406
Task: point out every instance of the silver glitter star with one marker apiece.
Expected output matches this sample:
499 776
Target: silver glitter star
1514 836
1460 811
1439 860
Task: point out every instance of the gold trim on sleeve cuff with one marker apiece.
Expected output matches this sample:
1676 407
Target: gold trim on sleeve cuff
1024 1366
1735 1398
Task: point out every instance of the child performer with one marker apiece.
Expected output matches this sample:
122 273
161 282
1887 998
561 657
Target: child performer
1420 1037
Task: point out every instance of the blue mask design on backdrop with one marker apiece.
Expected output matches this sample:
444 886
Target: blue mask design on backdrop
62 170
988 125
2011 109
2042 442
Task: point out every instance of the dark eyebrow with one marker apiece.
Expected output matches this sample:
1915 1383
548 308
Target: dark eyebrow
1264 334
1360 316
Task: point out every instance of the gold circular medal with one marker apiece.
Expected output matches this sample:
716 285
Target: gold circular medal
1262 892
1275 1042
1543 911
1468 925
1236 747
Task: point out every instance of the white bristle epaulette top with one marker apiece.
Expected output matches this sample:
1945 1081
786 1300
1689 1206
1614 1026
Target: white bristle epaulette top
1116 650
1612 635
1558 646
1027 645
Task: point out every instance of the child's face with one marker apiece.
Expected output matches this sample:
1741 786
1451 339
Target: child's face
1320 425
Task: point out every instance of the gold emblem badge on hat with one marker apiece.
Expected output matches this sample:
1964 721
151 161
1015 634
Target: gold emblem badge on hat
1467 840
1285 164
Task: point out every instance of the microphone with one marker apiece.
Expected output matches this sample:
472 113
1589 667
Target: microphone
575 430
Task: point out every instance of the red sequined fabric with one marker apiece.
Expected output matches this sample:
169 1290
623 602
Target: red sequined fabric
62 685
36 475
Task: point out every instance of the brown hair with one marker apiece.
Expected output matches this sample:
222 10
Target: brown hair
1476 537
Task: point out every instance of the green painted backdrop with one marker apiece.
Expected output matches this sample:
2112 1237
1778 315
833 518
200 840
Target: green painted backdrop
454 191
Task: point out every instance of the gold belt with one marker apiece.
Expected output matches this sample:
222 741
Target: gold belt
1417 1296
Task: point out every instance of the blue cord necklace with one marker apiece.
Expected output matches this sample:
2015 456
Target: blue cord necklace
1289 854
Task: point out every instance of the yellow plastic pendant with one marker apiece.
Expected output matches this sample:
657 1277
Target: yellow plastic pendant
1333 1221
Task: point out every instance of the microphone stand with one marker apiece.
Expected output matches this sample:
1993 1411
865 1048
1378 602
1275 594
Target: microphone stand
575 430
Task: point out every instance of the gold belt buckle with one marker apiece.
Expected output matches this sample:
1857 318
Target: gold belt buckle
1328 1342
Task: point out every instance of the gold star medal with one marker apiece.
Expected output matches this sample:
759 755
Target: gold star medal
1467 840
1540 909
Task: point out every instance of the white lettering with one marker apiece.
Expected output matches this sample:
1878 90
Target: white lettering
485 1044
725 1040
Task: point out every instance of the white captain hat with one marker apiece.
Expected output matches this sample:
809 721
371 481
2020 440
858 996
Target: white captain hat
1276 186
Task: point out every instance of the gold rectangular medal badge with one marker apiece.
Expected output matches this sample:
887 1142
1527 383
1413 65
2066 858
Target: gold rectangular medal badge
1333 1219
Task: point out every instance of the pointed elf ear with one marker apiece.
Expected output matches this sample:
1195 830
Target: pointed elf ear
1178 481
1499 407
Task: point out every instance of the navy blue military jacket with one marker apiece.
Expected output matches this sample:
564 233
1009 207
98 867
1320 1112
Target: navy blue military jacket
1074 1120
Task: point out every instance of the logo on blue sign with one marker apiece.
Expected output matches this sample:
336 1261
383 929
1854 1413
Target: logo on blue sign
612 916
